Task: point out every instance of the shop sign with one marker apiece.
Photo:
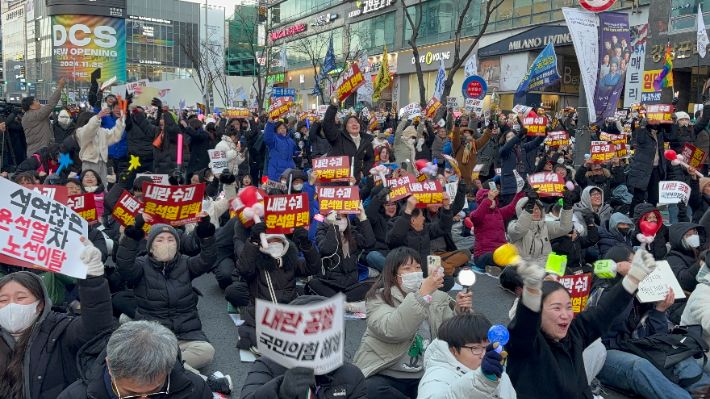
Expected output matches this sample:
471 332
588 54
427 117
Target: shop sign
324 19
366 6
430 57
292 30
533 39
649 94
679 50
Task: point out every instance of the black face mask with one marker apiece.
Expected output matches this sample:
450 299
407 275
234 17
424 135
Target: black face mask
624 230
597 179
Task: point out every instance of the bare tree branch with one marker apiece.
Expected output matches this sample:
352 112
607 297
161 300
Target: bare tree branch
415 50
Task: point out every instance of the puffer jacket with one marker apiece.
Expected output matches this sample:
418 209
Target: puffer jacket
697 310
459 149
94 140
683 260
61 133
319 143
533 237
584 206
401 233
511 154
489 224
402 149
164 290
341 143
37 162
338 270
38 128
391 329
658 247
379 220
437 146
607 181
234 157
49 364
282 149
447 378
199 145
642 162
165 158
699 201
140 137
610 236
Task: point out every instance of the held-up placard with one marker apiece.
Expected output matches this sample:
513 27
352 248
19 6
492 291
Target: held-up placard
474 105
85 206
173 205
157 178
673 192
655 286
126 210
57 193
412 110
279 107
342 199
536 125
548 184
556 139
332 169
475 174
310 335
613 138
694 156
218 160
602 152
622 150
659 113
236 113
349 82
399 187
431 107
36 229
578 287
283 213
452 102
429 192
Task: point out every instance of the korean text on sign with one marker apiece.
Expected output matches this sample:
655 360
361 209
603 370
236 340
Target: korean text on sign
161 179
283 213
548 184
613 138
431 107
236 113
332 169
349 82
218 160
602 151
173 205
36 229
428 192
694 156
578 287
399 187
57 193
306 336
622 150
659 113
279 107
342 199
673 192
556 139
536 125
126 210
85 206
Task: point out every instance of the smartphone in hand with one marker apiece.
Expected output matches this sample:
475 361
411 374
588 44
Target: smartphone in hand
492 186
433 263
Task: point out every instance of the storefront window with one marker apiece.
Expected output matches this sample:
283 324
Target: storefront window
291 10
373 33
303 52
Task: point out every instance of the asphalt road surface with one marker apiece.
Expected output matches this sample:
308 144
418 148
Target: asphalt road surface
488 299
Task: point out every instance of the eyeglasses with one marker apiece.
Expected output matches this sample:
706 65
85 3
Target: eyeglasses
144 395
476 350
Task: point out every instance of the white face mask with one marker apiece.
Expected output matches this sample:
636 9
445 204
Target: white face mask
411 141
15 318
165 252
693 241
63 120
411 281
297 187
342 224
684 122
275 249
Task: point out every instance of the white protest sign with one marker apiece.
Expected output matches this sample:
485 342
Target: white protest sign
412 110
519 181
218 160
41 231
321 110
475 105
131 87
452 102
673 192
157 178
655 286
302 336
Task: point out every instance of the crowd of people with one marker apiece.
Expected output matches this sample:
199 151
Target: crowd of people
131 328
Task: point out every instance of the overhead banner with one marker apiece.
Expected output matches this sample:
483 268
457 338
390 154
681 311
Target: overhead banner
582 27
82 43
541 73
614 29
635 67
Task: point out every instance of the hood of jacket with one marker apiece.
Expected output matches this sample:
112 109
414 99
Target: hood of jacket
678 230
614 221
439 355
586 198
483 193
45 311
644 209
409 133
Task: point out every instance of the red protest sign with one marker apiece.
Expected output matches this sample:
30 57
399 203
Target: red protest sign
428 192
283 213
349 82
85 206
57 193
694 156
431 107
613 138
332 169
548 184
536 125
126 210
659 113
556 139
279 107
342 199
602 151
173 205
236 113
622 150
578 287
399 187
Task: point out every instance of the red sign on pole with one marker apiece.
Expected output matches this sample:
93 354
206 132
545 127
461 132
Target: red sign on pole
578 287
694 156
173 205
332 169
431 107
342 199
283 213
85 206
660 113
349 82
548 184
536 125
279 106
602 151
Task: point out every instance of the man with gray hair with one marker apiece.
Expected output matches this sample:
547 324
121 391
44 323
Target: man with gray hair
140 360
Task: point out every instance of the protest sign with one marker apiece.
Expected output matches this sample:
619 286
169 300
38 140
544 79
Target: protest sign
659 113
613 138
236 113
694 156
622 150
556 139
342 199
474 105
602 151
399 187
219 161
85 206
673 192
655 286
57 193
332 169
321 110
521 108
349 82
126 210
431 107
578 287
157 178
452 102
310 335
283 213
621 115
475 174
536 125
548 184
428 192
275 184
42 231
412 110
173 205
279 107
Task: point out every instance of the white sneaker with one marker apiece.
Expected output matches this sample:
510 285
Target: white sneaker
355 307
373 273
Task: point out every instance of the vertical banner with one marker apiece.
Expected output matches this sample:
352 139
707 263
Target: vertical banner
82 43
634 72
614 28
582 27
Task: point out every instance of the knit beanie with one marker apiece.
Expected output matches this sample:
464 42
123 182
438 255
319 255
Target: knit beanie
161 228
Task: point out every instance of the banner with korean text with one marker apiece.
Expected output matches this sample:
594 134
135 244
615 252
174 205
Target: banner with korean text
173 205
342 199
283 213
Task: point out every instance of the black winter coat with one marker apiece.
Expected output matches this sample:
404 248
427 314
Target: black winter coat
574 250
73 149
17 138
319 144
140 136
379 221
61 133
338 271
164 289
401 233
50 356
265 377
684 261
642 161
341 143
199 144
609 179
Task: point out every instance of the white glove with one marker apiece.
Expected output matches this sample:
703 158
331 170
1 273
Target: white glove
111 178
642 265
91 257
532 274
332 215
362 216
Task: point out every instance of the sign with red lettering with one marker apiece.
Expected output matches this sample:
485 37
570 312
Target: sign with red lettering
157 178
602 151
673 192
283 213
218 160
660 113
279 107
431 107
342 199
556 139
85 206
536 125
349 82
173 205
613 138
548 184
291 30
309 335
57 193
578 286
40 231
126 210
694 156
332 169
